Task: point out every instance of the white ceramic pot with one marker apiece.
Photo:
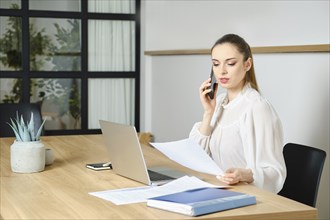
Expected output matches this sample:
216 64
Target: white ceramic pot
49 156
27 157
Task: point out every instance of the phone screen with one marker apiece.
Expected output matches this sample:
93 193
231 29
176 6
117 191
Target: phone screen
213 84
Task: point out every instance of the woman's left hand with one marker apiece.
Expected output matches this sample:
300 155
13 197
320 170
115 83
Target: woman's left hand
236 175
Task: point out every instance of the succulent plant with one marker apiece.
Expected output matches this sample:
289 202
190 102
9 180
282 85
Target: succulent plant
25 131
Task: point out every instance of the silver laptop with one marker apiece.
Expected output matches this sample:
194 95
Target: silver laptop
127 158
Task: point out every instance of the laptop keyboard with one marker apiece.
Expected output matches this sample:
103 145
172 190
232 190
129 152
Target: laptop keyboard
154 176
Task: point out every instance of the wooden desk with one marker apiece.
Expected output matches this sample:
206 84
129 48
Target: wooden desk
61 190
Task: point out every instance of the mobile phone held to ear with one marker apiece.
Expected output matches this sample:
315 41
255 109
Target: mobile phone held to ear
213 85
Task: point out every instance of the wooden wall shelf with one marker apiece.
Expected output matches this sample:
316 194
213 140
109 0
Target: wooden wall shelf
316 48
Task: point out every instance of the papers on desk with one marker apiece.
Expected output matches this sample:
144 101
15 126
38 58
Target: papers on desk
189 154
141 194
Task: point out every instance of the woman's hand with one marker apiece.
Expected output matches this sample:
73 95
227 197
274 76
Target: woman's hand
208 103
236 175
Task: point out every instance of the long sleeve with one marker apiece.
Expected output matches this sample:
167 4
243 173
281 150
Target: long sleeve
199 138
262 139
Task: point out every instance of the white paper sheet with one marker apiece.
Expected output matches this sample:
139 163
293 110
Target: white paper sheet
141 194
189 154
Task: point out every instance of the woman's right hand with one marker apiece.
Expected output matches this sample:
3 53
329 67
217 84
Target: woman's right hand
208 103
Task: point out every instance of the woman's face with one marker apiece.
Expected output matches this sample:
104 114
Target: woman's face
229 67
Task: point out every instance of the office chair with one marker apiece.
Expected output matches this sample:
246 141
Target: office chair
8 110
304 168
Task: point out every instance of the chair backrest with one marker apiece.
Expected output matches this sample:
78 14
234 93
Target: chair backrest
8 110
304 166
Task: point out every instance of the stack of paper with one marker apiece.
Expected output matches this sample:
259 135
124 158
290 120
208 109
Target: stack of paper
141 194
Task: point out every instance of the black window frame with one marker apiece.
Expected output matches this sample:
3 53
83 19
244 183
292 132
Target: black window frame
25 74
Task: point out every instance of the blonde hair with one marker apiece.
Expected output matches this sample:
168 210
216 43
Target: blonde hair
245 50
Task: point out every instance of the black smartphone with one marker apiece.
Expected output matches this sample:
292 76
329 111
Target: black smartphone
99 166
213 84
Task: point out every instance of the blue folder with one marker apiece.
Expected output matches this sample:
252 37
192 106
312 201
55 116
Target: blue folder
201 201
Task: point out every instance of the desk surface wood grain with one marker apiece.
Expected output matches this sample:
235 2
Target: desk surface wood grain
61 190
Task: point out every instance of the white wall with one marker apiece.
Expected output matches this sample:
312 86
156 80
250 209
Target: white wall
296 84
191 24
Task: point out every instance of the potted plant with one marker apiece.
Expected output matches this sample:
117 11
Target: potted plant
27 153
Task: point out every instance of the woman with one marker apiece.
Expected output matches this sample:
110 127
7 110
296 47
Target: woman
240 129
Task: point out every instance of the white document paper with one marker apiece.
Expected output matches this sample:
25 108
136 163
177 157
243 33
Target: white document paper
189 154
141 194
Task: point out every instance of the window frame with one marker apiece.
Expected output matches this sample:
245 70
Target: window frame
25 74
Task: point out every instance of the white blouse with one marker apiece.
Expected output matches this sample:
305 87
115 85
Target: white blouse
246 133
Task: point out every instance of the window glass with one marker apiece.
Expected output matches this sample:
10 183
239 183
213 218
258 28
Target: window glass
112 6
111 45
111 100
55 44
48 69
60 101
10 4
10 90
10 43
55 5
